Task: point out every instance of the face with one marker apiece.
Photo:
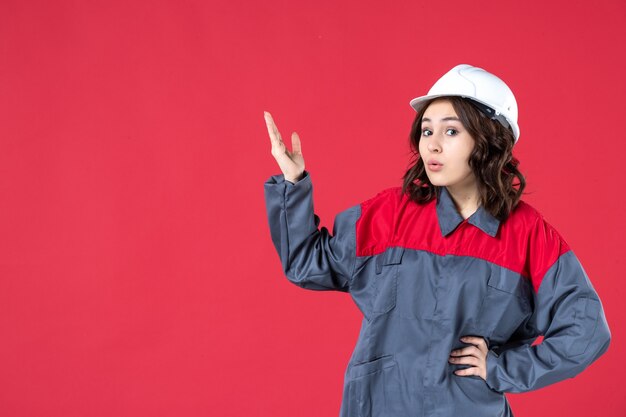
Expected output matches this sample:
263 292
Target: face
445 140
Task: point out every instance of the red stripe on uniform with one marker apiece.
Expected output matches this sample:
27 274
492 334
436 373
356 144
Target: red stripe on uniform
525 242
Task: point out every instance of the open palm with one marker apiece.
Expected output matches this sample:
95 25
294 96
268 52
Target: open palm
290 163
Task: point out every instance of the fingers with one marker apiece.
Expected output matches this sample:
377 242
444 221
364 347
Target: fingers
474 355
479 342
468 371
465 360
277 142
296 146
470 350
477 366
272 129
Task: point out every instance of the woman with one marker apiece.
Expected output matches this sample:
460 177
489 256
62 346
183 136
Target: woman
455 275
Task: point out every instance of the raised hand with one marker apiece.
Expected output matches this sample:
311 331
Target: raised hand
290 163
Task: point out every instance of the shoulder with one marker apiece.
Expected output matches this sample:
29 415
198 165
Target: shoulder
380 218
524 213
375 223
386 197
381 206
386 203
540 231
545 245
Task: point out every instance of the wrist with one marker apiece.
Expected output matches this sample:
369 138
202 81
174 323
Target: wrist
293 180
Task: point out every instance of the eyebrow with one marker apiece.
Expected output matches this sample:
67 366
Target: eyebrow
445 119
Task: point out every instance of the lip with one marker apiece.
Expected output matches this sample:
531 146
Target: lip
434 165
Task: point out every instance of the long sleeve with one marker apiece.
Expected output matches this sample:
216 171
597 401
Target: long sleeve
311 258
568 313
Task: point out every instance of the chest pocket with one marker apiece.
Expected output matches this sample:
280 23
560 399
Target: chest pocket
385 285
505 305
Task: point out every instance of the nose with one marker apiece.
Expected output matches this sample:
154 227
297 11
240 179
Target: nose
433 145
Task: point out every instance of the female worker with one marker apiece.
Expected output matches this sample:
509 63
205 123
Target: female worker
455 275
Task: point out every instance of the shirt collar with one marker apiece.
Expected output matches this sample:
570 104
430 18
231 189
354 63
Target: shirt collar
450 218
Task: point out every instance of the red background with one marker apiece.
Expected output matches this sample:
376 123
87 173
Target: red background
137 273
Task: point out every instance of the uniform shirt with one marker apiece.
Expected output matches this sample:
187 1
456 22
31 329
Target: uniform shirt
423 277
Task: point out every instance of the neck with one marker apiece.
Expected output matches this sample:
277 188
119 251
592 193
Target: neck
465 198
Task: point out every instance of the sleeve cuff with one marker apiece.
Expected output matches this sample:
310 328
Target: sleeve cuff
492 369
280 178
278 187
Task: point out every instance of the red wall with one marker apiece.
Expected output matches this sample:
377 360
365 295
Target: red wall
137 273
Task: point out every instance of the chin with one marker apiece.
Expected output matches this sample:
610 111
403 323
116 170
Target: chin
438 182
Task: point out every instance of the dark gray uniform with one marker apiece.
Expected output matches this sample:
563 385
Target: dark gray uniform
423 277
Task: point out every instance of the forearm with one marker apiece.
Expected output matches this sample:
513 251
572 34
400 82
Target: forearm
311 257
570 316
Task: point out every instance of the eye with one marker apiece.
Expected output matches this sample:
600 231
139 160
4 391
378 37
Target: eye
426 132
454 131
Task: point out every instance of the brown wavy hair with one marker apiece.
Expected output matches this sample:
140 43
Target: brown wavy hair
491 160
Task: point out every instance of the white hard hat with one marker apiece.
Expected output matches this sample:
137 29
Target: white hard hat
482 87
